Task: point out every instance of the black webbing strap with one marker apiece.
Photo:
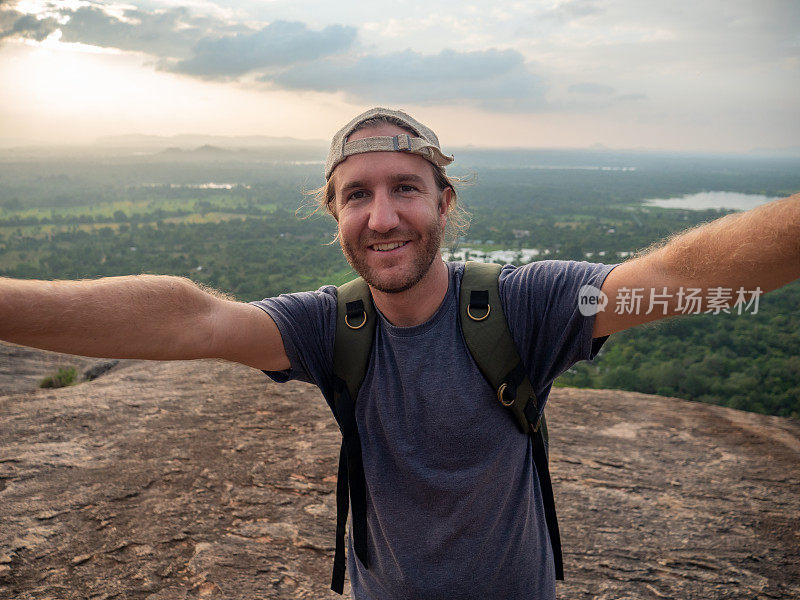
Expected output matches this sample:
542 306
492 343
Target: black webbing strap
355 314
479 298
351 487
354 308
342 508
542 468
489 341
355 328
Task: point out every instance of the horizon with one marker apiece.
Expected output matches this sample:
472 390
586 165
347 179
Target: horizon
254 142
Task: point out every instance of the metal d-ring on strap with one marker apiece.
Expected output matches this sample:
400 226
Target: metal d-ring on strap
501 395
473 317
360 325
355 309
479 299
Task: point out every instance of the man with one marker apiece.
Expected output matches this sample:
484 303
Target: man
454 508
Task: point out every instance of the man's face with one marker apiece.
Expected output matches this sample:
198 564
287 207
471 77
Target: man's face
391 214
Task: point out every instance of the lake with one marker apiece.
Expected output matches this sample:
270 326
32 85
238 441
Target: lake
706 200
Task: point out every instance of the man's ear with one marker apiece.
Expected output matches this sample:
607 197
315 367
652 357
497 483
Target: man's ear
445 198
331 204
333 208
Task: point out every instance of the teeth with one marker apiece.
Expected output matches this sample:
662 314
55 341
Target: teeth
385 247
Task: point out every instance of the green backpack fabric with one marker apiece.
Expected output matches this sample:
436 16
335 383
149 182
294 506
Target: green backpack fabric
492 348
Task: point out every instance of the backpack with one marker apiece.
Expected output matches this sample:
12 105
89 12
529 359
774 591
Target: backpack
489 342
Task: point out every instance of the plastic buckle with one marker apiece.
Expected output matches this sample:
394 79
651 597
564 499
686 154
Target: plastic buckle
402 143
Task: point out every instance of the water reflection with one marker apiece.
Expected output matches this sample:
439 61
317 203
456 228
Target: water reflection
706 200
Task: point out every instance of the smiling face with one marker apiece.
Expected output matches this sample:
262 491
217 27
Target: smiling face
391 214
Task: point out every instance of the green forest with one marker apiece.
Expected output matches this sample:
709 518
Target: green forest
241 223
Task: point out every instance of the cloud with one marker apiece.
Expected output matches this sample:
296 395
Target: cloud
170 33
201 46
167 33
591 97
16 24
498 79
588 87
288 54
634 97
278 44
576 9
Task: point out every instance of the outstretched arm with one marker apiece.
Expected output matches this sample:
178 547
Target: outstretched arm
145 316
759 248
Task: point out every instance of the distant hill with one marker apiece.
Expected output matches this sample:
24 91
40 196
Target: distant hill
204 479
189 141
301 154
786 151
206 150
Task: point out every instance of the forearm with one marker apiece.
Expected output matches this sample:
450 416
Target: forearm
757 248
751 252
145 316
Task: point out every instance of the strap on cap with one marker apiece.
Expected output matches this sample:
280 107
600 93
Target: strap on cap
397 143
402 142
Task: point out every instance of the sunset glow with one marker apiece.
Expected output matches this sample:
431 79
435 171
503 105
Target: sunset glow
713 77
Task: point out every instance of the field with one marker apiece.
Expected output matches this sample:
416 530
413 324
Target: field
239 221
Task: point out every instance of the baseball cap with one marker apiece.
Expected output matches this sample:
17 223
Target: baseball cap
424 142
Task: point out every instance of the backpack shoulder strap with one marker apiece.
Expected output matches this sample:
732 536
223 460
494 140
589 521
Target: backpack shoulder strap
489 340
355 330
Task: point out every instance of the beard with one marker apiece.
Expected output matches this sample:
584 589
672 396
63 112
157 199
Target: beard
356 255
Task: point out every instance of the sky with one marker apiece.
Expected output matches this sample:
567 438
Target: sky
683 75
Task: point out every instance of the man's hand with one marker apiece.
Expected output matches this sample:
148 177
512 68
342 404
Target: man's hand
755 250
146 316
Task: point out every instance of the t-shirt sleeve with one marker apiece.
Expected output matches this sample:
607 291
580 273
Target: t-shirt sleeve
306 321
541 304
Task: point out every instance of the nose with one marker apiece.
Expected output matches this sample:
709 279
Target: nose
383 215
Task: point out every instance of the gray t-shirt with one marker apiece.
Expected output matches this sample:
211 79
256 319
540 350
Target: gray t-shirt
454 508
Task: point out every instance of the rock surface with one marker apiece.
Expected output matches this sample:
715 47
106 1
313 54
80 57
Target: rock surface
204 479
22 369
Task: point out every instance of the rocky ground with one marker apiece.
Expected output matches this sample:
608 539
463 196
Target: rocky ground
204 479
